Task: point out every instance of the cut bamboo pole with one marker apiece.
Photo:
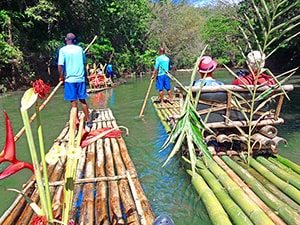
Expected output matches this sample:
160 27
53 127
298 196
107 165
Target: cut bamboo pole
215 210
115 211
128 201
236 214
284 167
282 185
288 214
270 186
101 206
255 208
288 163
289 178
87 206
148 212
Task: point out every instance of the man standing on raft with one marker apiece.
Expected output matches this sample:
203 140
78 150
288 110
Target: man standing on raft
161 67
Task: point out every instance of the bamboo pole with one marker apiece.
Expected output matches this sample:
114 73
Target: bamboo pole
288 163
255 208
288 214
101 206
289 178
148 212
215 210
236 214
87 206
284 167
282 185
115 211
128 199
146 98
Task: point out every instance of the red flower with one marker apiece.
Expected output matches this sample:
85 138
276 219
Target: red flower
9 154
39 220
40 88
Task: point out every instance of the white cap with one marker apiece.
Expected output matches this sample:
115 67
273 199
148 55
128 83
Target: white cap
256 59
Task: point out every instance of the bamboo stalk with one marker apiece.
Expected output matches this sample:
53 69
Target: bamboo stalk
148 212
289 178
115 211
214 208
288 163
243 196
284 167
285 187
236 214
288 214
101 206
129 202
267 184
87 206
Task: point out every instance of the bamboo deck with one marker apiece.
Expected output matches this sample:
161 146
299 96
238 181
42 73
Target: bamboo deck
107 189
263 185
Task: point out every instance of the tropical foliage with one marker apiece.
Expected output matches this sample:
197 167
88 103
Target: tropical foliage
129 33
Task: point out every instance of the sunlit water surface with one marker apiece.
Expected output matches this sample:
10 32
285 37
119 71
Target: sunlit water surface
167 188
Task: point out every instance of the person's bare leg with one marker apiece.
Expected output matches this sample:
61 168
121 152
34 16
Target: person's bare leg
170 96
85 109
161 96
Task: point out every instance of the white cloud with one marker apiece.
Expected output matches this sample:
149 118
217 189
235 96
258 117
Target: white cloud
201 3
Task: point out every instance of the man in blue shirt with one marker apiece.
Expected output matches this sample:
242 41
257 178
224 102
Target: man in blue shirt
161 66
71 70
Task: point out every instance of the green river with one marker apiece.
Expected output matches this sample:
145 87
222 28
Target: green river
168 188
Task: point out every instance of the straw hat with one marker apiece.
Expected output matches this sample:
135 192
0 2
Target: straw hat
207 65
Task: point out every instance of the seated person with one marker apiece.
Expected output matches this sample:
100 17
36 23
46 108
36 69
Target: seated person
206 68
255 61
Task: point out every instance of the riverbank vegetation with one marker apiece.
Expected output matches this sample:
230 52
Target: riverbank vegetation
129 33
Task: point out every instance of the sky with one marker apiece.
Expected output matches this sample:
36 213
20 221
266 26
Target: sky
200 3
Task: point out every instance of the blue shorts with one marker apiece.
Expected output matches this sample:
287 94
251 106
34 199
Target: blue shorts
75 91
163 82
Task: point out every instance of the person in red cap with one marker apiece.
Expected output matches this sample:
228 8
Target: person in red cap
206 69
161 67
71 70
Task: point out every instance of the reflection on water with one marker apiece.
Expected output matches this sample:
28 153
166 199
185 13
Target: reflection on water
167 188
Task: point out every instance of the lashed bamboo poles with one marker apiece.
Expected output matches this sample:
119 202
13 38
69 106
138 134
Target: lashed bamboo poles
237 190
289 178
288 163
282 185
288 214
102 216
214 208
269 185
235 213
284 167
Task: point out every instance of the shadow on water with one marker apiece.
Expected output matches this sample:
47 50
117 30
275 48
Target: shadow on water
167 188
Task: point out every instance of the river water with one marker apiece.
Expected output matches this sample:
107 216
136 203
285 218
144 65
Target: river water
167 188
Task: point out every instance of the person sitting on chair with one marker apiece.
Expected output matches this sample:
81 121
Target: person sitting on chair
206 69
256 62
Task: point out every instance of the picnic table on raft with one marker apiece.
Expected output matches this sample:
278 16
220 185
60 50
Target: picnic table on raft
106 191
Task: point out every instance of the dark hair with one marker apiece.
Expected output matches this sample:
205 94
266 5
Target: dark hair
71 37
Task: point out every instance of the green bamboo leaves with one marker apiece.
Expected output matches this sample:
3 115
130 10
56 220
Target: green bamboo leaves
189 128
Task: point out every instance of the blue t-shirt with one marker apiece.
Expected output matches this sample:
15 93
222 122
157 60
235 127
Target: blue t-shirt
109 68
208 82
162 61
72 58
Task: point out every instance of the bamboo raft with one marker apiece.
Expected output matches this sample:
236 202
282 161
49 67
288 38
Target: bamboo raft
267 191
107 189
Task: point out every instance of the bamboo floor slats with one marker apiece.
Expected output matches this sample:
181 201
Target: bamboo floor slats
270 184
107 189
